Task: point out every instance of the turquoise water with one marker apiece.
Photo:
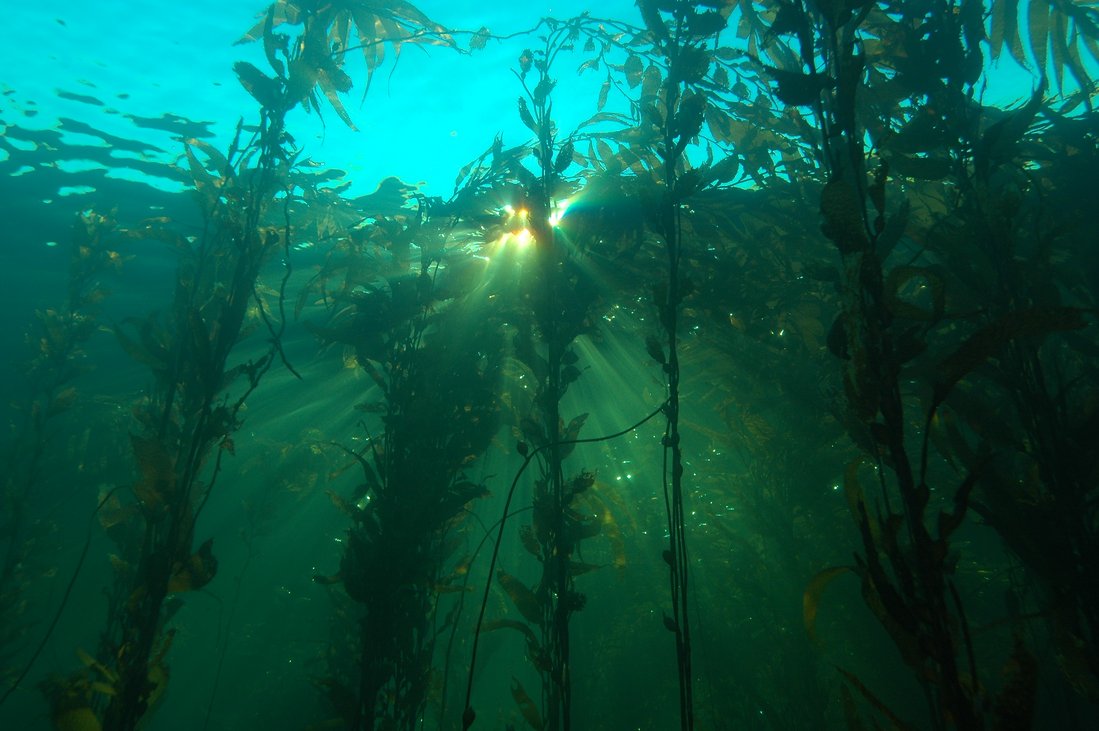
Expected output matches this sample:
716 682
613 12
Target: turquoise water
113 65
361 484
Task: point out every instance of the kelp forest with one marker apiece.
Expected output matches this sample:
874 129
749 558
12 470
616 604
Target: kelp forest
766 397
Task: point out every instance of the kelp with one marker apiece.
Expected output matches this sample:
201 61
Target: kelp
185 421
328 32
945 279
57 357
561 297
906 566
435 374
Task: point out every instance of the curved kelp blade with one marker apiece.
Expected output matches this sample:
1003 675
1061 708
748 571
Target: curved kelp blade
526 705
810 601
991 338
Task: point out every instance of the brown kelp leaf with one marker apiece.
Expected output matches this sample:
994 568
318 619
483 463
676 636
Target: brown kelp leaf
949 522
534 649
111 512
1014 708
650 85
614 535
856 500
479 39
526 705
90 662
155 466
873 700
798 89
494 624
850 710
843 223
705 24
573 430
522 597
999 142
264 89
526 117
655 349
526 535
633 68
810 600
332 91
690 65
571 434
62 401
196 572
604 93
915 293
988 341
345 505
688 118
653 20
119 565
577 568
564 157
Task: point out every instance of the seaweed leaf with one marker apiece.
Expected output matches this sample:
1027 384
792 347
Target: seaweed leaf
876 702
520 627
908 277
155 465
810 601
525 600
526 704
991 338
529 541
633 68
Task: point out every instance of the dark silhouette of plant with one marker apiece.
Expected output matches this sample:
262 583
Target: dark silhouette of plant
556 300
187 421
675 108
57 340
436 363
906 566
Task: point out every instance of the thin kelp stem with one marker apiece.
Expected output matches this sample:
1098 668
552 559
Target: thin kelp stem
64 599
189 415
59 337
469 715
679 39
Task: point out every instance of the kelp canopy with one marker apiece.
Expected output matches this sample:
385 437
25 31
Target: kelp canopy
764 397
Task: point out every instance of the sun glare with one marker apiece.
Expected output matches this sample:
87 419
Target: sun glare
559 212
517 224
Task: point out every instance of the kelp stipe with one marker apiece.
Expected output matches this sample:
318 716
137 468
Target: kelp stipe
187 421
187 418
434 359
677 109
57 342
909 588
1025 227
556 297
907 567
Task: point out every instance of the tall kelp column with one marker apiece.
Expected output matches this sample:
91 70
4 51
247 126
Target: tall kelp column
551 306
901 321
680 33
432 352
868 298
57 341
556 298
186 421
